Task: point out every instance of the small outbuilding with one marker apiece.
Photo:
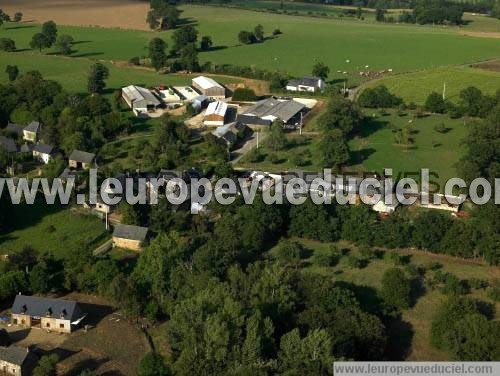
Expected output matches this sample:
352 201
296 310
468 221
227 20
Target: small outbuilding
129 237
209 87
32 131
57 315
215 114
231 133
81 159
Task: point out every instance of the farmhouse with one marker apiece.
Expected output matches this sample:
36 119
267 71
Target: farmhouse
140 100
8 144
32 131
231 133
43 152
129 237
16 361
209 87
215 114
81 159
268 110
51 314
310 84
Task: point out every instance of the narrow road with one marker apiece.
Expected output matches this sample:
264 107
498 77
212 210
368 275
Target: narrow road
237 154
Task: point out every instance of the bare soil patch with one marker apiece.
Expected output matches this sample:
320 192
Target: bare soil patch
493 65
481 34
123 14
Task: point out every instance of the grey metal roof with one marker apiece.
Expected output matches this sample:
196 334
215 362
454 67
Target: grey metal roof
34 126
43 148
140 96
305 81
8 144
14 355
130 232
272 107
82 156
14 128
253 120
43 307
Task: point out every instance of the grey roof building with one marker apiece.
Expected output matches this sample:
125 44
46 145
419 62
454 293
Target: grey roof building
140 98
8 144
311 84
34 127
35 306
43 148
130 232
26 148
14 128
271 109
82 156
17 361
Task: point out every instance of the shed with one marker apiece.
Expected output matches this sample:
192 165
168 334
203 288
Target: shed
81 159
129 237
215 114
230 134
140 99
200 102
209 87
270 109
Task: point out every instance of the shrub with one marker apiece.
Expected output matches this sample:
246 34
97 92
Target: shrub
135 60
494 293
477 283
255 156
396 288
7 45
244 94
277 32
454 286
328 258
379 97
435 103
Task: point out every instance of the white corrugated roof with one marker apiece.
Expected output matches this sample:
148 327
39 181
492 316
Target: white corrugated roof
206 82
216 108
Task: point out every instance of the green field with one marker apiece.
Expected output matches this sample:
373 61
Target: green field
51 229
375 149
304 41
72 73
420 315
416 86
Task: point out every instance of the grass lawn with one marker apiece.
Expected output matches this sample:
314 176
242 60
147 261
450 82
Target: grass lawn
416 320
416 86
375 148
51 229
381 46
481 23
72 73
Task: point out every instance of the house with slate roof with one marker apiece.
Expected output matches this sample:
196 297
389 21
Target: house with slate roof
310 84
129 237
56 315
81 159
17 361
43 152
8 144
32 131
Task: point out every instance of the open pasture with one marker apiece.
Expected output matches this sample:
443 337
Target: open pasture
416 86
345 45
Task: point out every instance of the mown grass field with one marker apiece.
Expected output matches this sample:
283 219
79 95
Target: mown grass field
416 86
72 73
375 148
416 321
51 229
304 41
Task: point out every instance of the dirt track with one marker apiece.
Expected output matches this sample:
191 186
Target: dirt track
124 14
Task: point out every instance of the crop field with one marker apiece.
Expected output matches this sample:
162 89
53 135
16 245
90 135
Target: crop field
375 149
415 335
345 45
416 86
